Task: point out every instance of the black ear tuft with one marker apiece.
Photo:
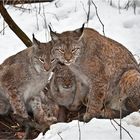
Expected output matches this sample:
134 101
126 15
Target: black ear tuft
35 41
80 31
53 34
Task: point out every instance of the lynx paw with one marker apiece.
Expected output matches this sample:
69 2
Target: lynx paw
50 120
87 117
45 120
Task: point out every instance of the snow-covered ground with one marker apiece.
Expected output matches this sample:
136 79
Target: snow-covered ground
96 129
121 25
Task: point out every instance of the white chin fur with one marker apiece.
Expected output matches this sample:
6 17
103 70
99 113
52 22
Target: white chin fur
67 64
50 76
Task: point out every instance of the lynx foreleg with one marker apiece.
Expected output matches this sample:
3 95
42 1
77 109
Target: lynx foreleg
42 112
17 104
96 98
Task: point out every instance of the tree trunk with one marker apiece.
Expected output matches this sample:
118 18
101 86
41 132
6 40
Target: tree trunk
13 2
14 27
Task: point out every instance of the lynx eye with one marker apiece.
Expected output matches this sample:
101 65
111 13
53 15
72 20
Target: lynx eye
41 60
61 50
53 60
74 50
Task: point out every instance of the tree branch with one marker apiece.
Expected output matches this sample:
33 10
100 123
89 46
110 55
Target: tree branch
98 16
13 26
123 128
13 2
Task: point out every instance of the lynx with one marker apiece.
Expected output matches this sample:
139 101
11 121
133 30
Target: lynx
4 106
44 110
65 89
101 64
129 86
25 75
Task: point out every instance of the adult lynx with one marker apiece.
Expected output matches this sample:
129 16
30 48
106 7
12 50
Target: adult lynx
24 75
100 63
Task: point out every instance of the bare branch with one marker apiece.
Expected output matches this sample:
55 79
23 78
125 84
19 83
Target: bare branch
45 24
119 6
134 6
79 130
14 27
123 129
59 136
84 8
37 23
88 14
98 17
6 126
13 2
120 119
3 29
113 125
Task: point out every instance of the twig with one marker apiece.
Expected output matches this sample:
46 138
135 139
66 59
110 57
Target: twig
39 8
111 3
98 17
6 126
21 8
84 8
56 4
119 6
3 29
45 22
127 5
75 6
59 136
88 14
37 24
123 129
53 15
134 6
120 120
113 125
79 130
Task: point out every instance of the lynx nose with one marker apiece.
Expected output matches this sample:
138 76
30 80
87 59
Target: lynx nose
67 83
47 66
68 57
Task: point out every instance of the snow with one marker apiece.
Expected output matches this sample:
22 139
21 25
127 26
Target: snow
120 24
97 129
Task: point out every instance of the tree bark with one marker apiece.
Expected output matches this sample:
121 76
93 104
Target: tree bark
14 27
13 2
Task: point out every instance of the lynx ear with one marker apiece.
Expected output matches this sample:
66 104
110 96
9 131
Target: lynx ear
80 31
53 34
35 41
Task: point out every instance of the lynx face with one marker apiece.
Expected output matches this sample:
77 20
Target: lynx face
64 77
67 46
43 61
